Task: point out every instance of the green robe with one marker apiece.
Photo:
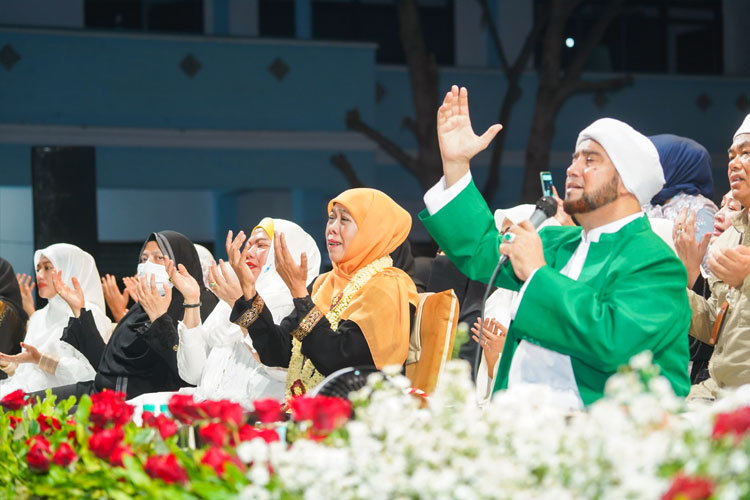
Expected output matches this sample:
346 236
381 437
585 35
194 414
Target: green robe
631 295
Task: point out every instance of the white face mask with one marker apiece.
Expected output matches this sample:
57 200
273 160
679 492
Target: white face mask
147 269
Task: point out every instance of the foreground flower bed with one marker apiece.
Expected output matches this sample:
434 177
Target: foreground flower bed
634 444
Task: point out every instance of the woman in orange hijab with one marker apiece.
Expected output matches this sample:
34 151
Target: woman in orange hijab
357 314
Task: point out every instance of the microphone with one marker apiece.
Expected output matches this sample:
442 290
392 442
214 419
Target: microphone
546 207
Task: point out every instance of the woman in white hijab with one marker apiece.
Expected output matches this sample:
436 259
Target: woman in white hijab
218 355
47 361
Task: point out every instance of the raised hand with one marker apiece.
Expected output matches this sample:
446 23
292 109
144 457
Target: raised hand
491 339
152 301
730 265
74 297
238 260
293 275
117 301
561 215
131 286
458 142
184 282
27 298
689 251
30 355
224 282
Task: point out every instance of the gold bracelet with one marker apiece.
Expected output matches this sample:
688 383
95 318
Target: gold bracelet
252 313
48 364
10 368
307 324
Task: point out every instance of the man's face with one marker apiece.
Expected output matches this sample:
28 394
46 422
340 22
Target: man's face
592 180
739 169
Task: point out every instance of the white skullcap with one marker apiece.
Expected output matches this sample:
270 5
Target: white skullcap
634 156
518 214
744 128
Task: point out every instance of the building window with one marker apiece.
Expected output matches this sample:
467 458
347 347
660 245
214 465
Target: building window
276 18
181 16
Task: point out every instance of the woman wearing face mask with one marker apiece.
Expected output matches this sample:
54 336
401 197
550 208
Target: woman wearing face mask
64 273
141 355
13 318
217 355
357 314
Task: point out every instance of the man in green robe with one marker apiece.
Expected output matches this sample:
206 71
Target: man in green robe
590 297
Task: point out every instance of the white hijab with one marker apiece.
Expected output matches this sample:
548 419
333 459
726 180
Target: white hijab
270 286
46 325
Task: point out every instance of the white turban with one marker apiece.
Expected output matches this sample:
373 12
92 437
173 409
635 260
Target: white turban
634 156
744 128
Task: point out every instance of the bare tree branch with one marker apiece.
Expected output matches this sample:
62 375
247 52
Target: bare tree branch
342 164
609 84
613 8
494 35
354 122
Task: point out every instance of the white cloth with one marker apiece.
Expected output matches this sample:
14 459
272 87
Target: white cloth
217 356
744 128
47 324
634 156
439 196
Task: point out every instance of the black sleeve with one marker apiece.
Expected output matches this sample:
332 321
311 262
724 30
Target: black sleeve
161 336
83 334
272 342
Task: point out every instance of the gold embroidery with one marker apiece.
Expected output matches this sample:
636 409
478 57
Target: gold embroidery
302 374
307 324
252 313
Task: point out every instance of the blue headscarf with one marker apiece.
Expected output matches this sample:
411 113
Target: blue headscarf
687 167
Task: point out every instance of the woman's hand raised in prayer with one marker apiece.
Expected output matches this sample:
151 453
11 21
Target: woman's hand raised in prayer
730 265
131 286
238 260
492 341
27 298
30 354
293 275
690 252
224 283
458 142
74 297
190 290
116 300
152 301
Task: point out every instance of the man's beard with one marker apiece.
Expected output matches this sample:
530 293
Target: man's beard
590 202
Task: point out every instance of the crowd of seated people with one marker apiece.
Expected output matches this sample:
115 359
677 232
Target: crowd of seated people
636 258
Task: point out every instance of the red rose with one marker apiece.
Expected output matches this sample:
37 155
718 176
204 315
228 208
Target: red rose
223 410
267 410
184 408
39 453
214 433
689 488
303 408
14 400
166 468
118 453
64 455
14 421
331 413
46 423
167 427
736 422
248 432
104 442
216 458
110 407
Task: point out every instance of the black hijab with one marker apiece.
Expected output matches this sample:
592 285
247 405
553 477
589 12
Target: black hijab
10 293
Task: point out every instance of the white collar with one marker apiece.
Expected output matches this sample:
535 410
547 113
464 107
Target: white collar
593 235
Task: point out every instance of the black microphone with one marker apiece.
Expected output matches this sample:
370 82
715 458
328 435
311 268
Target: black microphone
546 207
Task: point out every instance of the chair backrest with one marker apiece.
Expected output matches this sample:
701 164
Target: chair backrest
432 336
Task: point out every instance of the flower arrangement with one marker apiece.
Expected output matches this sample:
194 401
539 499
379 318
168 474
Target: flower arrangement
636 443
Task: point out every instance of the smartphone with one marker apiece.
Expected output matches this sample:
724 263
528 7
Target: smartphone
546 179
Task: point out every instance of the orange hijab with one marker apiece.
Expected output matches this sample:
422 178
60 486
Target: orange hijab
381 307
